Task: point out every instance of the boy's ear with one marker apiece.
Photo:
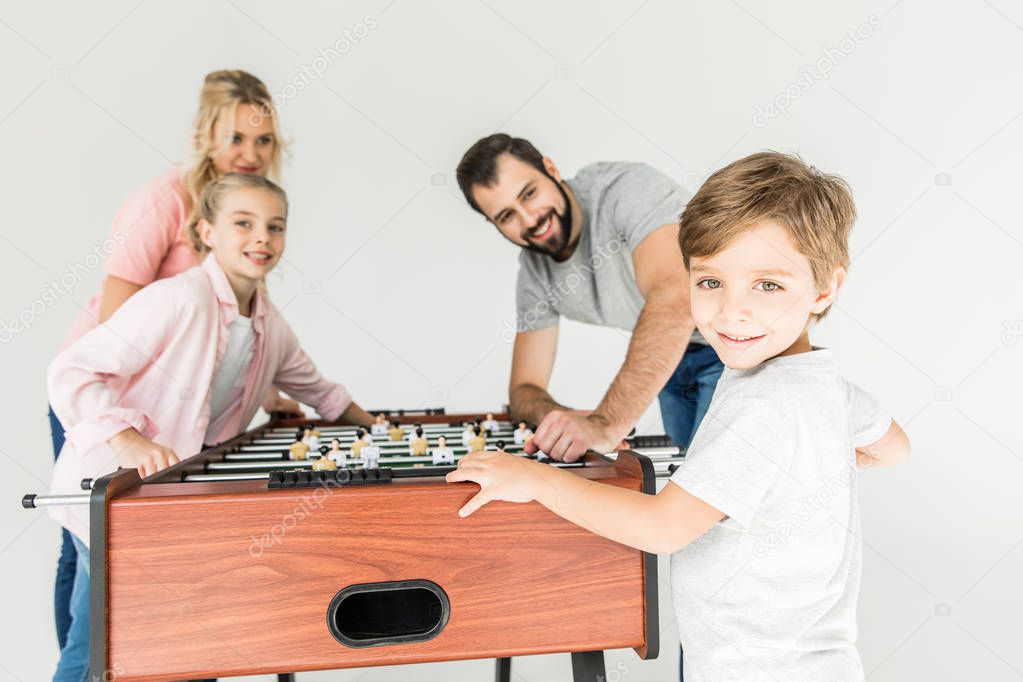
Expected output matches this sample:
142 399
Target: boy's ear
205 229
826 296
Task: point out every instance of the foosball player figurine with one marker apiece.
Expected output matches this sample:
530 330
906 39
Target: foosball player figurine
522 434
299 450
490 424
379 426
337 454
468 434
324 462
361 441
500 445
541 456
442 454
477 442
315 431
396 433
371 456
419 446
312 439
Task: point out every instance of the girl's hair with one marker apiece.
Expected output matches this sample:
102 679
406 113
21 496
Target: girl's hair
213 194
222 92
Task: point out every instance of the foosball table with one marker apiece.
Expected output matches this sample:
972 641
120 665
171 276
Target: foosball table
241 561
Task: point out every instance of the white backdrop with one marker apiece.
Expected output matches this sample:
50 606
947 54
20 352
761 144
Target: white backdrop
917 104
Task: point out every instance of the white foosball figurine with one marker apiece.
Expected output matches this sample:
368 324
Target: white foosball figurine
312 440
371 457
468 434
490 424
442 454
380 426
337 454
522 434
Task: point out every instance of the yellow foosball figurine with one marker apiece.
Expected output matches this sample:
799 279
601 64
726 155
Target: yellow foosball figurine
360 442
396 433
477 442
299 450
324 462
419 447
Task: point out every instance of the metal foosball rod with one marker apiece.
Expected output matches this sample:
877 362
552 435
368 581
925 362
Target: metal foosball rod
665 459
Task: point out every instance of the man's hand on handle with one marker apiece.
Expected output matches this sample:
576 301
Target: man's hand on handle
566 435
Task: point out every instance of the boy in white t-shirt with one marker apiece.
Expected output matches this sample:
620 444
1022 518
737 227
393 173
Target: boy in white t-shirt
764 539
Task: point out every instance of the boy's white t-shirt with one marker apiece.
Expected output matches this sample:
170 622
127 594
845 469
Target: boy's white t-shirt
770 592
229 380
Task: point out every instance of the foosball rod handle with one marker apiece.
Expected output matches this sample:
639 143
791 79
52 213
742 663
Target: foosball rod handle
36 501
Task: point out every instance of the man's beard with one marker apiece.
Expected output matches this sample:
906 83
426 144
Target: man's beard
556 246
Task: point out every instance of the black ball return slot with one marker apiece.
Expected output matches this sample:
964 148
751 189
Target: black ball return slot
398 612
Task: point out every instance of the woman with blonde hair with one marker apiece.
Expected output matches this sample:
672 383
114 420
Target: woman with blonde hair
235 131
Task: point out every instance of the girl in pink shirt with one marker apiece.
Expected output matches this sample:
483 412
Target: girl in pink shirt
183 362
235 131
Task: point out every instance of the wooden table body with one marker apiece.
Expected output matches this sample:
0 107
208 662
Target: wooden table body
225 579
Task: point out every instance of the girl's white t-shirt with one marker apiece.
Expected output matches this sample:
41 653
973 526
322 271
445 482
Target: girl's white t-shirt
229 380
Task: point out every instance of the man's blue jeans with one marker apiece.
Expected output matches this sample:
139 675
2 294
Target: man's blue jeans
685 398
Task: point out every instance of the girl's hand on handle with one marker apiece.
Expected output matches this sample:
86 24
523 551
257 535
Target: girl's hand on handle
138 452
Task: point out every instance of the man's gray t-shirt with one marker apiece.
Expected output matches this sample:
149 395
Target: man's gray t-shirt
621 203
770 592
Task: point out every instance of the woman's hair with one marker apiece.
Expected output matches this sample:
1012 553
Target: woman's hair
222 92
213 195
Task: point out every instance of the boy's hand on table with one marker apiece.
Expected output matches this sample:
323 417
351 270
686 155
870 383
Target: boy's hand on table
500 476
135 451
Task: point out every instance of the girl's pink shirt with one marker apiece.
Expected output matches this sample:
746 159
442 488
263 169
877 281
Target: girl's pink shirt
150 367
147 242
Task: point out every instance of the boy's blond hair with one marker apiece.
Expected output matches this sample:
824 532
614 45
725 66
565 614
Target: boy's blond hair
817 209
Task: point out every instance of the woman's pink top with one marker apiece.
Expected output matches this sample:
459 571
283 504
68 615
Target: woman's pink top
150 367
148 233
